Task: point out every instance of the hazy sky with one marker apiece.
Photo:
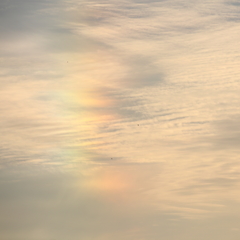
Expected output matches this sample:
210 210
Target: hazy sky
119 120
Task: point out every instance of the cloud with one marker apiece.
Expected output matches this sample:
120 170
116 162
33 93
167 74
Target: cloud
117 84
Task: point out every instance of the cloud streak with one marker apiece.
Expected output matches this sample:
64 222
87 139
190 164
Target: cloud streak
132 106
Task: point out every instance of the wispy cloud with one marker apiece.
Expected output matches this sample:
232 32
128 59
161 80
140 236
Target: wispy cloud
146 91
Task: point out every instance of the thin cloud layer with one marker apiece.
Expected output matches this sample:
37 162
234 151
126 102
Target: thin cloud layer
119 119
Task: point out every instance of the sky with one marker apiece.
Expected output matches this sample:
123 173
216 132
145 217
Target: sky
119 120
